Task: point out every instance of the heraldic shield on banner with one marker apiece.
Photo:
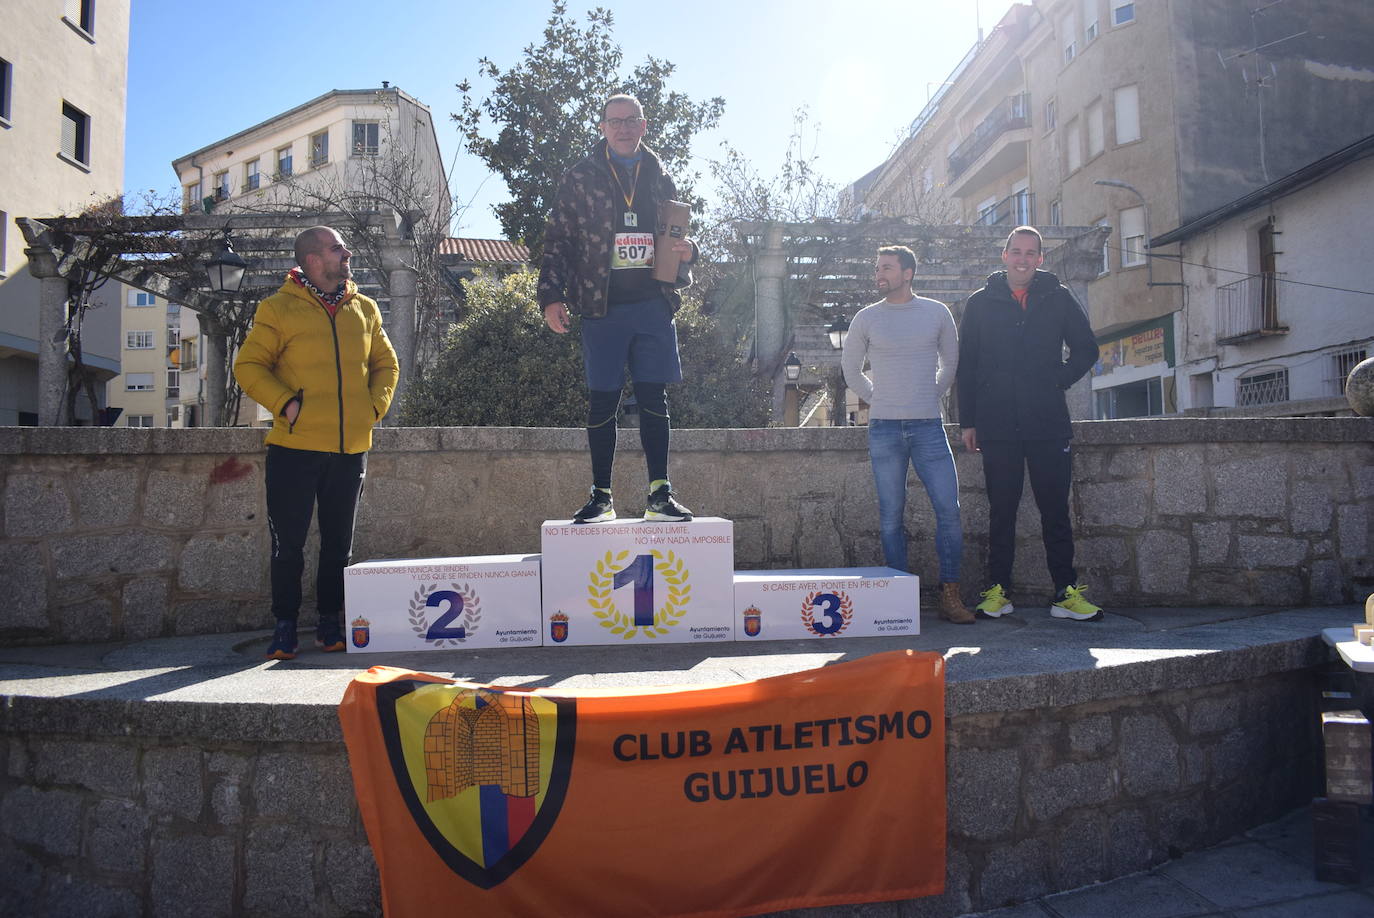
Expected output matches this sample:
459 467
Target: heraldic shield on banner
483 772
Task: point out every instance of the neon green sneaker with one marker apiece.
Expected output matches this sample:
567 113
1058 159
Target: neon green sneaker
1069 603
995 603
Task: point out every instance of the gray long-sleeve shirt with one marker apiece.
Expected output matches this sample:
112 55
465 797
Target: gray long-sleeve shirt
913 352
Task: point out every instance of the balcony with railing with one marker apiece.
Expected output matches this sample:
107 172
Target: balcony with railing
1014 210
1012 114
1248 309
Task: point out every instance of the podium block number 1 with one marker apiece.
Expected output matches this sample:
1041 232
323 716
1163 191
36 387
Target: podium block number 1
640 571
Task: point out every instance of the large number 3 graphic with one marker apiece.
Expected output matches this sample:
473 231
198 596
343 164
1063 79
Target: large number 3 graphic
641 572
830 608
440 629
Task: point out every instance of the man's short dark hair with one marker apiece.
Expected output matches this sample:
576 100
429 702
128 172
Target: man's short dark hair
310 242
905 257
622 97
1029 231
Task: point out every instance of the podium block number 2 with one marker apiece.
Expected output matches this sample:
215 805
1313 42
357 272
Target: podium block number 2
640 571
440 629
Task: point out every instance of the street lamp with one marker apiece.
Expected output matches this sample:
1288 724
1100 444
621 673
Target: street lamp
838 331
226 269
792 367
1145 212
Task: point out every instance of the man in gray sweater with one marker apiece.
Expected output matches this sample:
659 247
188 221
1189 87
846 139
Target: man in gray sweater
912 349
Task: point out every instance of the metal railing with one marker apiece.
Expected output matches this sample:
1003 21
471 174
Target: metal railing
1262 389
1012 113
1249 308
1014 210
933 104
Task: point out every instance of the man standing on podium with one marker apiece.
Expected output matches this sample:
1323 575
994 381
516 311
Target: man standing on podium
598 264
912 350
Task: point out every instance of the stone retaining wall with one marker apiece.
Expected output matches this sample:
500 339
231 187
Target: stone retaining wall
144 808
113 534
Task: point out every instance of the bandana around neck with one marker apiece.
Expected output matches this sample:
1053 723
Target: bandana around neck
329 299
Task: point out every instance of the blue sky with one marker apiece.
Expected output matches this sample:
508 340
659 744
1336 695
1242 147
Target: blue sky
863 68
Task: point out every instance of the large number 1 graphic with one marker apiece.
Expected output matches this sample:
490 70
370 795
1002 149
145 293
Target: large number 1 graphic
641 572
440 629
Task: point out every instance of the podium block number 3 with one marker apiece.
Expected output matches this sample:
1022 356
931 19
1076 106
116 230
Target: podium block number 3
640 572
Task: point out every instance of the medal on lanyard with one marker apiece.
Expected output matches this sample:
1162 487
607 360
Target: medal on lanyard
631 218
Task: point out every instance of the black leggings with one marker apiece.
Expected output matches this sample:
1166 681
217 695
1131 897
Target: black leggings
654 430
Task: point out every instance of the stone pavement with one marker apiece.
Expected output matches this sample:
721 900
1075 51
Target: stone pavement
1265 873
1026 657
1084 723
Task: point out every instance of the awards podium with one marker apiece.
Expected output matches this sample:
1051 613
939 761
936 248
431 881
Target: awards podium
624 582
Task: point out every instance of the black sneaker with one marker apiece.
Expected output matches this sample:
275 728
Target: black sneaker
329 635
598 508
664 508
284 645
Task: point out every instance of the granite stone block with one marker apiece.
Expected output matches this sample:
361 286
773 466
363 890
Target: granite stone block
69 895
117 836
1254 551
25 580
195 869
279 871
1179 489
143 605
1149 756
172 781
984 792
1250 487
1212 541
36 505
286 784
176 499
104 767
107 496
1050 792
1163 560
1089 735
134 551
49 820
222 564
1312 507
1113 504
1353 524
353 882
1015 873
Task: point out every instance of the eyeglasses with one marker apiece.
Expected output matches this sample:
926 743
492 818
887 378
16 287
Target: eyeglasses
616 124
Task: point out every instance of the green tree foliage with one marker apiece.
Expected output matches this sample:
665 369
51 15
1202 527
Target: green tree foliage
547 108
501 366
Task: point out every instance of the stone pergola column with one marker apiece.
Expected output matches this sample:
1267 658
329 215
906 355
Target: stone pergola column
402 283
216 367
53 297
770 312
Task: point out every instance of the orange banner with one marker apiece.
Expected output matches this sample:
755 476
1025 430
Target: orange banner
817 788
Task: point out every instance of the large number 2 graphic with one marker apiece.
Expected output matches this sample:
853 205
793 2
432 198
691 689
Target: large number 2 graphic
830 608
440 629
641 572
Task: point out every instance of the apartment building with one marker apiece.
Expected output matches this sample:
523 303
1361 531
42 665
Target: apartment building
320 153
1139 116
1283 309
63 72
354 149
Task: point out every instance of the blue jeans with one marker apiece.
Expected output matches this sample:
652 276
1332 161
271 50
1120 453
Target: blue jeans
922 442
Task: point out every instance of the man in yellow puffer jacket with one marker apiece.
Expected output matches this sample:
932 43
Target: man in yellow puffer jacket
318 358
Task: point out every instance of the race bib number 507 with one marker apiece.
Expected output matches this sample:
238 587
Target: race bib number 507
632 250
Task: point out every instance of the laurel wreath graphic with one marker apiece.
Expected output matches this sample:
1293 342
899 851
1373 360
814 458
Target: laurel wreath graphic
808 615
671 572
472 612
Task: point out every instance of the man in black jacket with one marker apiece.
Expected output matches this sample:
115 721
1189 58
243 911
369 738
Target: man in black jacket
1011 381
598 264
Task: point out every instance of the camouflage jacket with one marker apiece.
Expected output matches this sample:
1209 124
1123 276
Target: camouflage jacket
576 268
